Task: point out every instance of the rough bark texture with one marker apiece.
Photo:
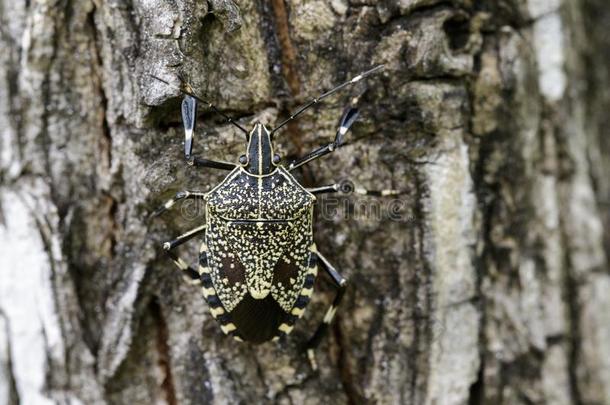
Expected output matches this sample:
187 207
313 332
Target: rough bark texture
491 114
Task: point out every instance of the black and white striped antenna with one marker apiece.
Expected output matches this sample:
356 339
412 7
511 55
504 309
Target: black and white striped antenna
327 94
207 103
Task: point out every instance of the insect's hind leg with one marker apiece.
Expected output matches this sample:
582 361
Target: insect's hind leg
340 283
202 277
191 275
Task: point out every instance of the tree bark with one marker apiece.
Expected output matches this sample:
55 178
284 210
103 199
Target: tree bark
487 284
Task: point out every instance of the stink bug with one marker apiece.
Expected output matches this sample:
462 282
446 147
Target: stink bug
258 260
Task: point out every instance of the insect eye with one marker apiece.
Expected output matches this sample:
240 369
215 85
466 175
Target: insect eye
243 160
276 159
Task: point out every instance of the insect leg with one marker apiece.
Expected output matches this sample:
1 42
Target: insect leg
347 187
347 119
180 195
331 188
340 283
191 275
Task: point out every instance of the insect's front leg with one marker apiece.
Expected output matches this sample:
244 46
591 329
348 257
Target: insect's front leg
340 283
191 275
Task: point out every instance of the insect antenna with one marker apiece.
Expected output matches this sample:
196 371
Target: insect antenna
201 100
316 100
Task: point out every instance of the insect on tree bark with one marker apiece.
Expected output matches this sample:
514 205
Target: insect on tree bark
485 282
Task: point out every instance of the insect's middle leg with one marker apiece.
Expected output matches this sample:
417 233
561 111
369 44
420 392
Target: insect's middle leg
191 275
347 187
180 195
340 283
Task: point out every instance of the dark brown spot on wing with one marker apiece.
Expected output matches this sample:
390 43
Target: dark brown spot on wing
284 272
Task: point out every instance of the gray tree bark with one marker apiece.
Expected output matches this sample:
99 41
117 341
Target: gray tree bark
491 114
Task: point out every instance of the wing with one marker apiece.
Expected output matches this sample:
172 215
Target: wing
291 269
245 259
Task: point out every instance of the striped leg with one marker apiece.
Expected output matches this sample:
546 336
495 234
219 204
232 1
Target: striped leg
180 195
340 283
209 293
190 274
347 187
